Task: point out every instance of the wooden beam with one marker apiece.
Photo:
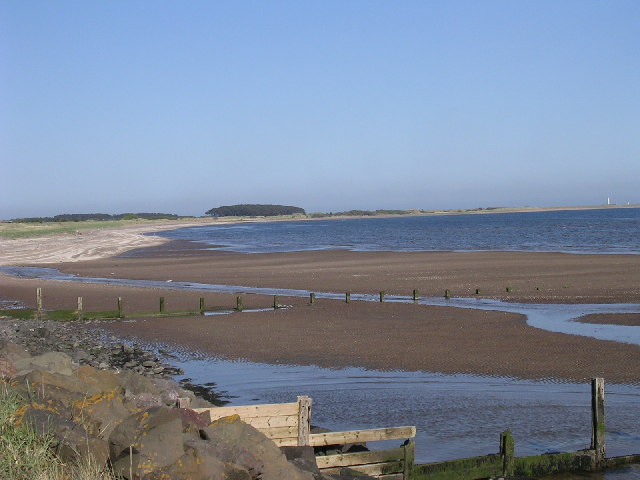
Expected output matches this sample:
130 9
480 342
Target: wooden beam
247 411
358 436
375 469
304 420
360 458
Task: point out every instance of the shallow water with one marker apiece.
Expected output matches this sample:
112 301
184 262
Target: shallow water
552 317
456 416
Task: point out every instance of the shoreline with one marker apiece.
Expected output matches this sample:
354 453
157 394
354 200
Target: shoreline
99 243
374 335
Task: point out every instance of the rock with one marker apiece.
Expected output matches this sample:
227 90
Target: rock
233 441
145 442
53 362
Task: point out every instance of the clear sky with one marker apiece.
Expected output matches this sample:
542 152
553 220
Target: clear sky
178 107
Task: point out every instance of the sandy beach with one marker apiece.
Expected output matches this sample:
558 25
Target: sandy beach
333 333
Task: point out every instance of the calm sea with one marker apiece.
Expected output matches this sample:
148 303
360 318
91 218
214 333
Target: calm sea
603 231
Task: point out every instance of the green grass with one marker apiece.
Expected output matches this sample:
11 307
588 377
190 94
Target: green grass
26 455
18 314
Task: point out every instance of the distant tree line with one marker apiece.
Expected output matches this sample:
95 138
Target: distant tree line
365 213
254 210
81 217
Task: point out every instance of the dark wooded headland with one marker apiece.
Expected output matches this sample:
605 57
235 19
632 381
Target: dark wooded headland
254 210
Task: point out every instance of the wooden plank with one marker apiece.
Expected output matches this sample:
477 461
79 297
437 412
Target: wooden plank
280 432
360 458
246 411
358 436
375 469
393 476
269 422
286 442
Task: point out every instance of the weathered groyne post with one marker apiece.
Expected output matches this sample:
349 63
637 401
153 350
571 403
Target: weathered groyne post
597 421
276 303
38 303
507 451
161 304
120 308
239 306
79 311
382 294
312 298
347 297
416 294
201 305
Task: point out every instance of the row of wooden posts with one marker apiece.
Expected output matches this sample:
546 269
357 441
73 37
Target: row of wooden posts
239 301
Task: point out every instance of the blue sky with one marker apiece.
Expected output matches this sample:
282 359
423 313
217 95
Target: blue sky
179 107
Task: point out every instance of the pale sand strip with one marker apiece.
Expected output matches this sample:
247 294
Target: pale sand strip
85 245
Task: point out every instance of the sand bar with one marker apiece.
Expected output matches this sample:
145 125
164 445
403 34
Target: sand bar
372 335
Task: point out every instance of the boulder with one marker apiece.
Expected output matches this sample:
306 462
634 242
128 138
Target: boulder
233 441
52 362
147 442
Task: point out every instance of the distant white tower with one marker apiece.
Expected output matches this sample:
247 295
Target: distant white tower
608 201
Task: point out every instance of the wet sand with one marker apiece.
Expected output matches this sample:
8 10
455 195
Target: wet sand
383 336
333 333
531 277
628 319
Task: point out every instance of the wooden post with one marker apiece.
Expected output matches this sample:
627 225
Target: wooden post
120 308
79 308
304 420
276 304
347 297
312 298
508 289
409 460
507 450
382 293
201 305
416 295
477 291
183 402
161 304
447 294
239 305
38 303
597 420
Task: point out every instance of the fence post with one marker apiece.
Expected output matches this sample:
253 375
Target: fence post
409 459
239 305
507 450
382 293
447 294
597 420
276 304
304 420
312 298
415 294
201 305
161 304
120 308
183 402
347 297
79 308
38 303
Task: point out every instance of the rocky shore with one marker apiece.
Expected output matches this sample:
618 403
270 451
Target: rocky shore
114 403
89 347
